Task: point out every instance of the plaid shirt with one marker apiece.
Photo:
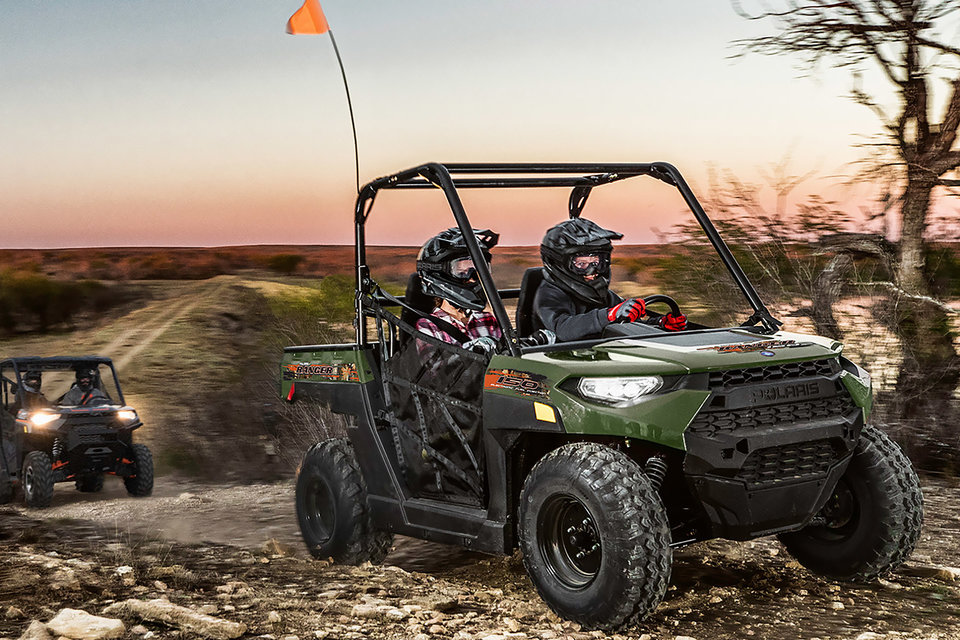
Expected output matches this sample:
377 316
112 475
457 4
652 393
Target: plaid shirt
479 324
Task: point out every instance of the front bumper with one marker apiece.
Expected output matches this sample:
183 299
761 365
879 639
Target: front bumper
92 449
769 445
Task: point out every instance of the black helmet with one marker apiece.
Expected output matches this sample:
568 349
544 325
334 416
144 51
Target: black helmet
447 272
86 379
574 238
32 381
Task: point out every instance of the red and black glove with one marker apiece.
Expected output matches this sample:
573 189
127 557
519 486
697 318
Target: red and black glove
627 311
671 322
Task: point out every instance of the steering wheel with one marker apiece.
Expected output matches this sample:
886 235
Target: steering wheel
667 300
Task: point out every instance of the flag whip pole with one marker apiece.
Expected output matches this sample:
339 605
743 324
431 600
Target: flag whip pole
353 124
309 19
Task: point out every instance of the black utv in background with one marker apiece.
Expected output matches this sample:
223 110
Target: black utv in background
64 419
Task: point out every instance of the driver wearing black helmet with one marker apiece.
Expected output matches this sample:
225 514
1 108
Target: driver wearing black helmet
85 390
574 300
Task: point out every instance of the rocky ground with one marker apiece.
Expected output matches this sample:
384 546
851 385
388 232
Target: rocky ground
188 563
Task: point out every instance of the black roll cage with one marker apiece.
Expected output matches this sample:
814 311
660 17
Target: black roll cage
20 365
449 177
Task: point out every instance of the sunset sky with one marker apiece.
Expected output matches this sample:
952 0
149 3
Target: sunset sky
203 123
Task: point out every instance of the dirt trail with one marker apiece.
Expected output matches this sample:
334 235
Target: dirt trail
125 337
719 590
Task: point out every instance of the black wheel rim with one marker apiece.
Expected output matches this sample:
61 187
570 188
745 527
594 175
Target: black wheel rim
28 480
319 510
568 541
840 515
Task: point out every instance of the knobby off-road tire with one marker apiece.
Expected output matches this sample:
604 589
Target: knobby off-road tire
90 484
594 536
332 508
141 483
37 479
873 519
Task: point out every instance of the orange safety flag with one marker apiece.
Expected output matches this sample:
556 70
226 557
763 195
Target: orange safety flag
308 19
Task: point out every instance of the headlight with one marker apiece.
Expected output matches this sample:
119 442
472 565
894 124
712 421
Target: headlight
619 392
864 376
42 418
126 415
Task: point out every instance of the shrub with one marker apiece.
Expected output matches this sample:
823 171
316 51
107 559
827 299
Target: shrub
285 263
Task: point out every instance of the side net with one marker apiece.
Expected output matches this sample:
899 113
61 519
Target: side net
433 393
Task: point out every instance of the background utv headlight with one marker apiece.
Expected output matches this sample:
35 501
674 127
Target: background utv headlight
43 418
126 415
619 392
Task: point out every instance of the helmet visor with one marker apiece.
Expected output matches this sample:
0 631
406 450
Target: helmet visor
586 264
463 269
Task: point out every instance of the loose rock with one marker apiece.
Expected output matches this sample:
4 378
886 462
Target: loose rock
180 617
80 625
36 631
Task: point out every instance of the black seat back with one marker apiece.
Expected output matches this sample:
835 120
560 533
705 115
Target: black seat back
532 278
416 298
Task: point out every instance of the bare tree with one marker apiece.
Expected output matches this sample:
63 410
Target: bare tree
909 43
903 39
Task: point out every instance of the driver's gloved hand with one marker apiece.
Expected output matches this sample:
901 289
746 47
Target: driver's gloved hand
482 345
671 322
627 311
539 338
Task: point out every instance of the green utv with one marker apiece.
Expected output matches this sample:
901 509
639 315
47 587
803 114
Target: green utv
598 457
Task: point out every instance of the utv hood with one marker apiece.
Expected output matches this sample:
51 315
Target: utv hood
696 352
690 352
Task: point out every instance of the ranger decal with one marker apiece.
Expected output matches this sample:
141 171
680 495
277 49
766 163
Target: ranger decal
334 372
746 347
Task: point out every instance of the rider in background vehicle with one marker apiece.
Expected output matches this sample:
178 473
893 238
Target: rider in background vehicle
574 300
32 397
448 274
85 391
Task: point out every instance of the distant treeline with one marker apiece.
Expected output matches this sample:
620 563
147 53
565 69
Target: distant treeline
31 301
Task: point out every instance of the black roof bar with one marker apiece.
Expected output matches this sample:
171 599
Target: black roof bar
581 176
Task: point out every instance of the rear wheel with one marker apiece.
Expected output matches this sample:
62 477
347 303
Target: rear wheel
871 523
37 479
140 484
594 536
332 506
90 484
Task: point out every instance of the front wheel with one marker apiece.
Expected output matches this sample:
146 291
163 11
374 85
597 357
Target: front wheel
595 536
140 484
37 479
332 506
871 523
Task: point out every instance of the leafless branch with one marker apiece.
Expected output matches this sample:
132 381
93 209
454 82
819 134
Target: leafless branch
927 300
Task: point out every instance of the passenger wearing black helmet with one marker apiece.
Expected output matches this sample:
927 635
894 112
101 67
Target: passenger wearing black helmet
574 300
85 390
449 275
31 397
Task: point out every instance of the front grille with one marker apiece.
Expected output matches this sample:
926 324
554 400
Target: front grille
788 463
87 438
709 423
753 375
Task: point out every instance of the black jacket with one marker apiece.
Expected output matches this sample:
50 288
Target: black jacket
568 317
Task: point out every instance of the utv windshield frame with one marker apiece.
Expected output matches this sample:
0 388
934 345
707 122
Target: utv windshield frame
581 178
20 365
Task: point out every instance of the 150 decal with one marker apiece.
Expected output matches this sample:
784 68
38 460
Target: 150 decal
338 372
524 383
